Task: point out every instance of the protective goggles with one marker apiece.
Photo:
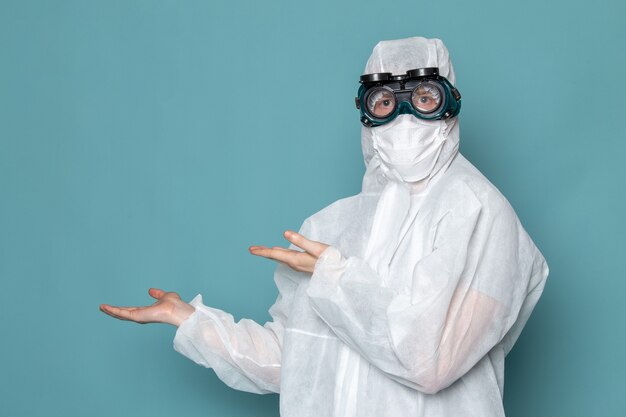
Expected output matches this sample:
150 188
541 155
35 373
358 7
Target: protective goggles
421 92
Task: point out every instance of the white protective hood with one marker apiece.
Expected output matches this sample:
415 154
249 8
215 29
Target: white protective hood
396 208
412 309
397 57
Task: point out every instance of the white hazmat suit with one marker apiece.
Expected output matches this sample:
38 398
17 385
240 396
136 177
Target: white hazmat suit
427 284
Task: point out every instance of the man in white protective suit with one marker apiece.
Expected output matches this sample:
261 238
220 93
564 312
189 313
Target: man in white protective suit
402 300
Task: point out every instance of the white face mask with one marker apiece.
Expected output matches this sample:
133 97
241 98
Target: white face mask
408 146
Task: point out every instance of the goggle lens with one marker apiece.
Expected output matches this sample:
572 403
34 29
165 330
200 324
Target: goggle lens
427 97
380 102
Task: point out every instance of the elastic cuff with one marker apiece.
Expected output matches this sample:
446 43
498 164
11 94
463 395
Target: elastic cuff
328 270
187 325
329 256
196 301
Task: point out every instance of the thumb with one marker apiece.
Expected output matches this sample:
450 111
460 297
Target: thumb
156 293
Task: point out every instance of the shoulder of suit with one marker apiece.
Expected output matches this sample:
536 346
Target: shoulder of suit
463 186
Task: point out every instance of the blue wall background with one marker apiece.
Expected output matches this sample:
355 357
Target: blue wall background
149 143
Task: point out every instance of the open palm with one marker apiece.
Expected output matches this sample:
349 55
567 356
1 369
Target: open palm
169 308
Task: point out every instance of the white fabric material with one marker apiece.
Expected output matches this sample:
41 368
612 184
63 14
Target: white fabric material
410 312
408 146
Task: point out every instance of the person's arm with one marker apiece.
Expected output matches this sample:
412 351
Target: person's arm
465 296
245 355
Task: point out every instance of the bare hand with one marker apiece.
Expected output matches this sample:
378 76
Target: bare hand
297 260
169 308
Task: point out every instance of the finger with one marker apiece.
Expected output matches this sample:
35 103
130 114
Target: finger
311 246
261 248
254 249
122 313
276 253
251 248
110 313
297 260
156 293
108 306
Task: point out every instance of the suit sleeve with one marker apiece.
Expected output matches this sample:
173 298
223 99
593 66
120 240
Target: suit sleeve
464 297
245 355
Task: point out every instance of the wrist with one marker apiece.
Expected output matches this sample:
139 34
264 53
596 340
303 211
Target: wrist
181 312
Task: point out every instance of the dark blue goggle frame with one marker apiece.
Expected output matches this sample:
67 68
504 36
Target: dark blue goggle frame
402 87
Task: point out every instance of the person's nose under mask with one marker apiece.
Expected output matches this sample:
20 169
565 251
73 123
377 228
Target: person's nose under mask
409 147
